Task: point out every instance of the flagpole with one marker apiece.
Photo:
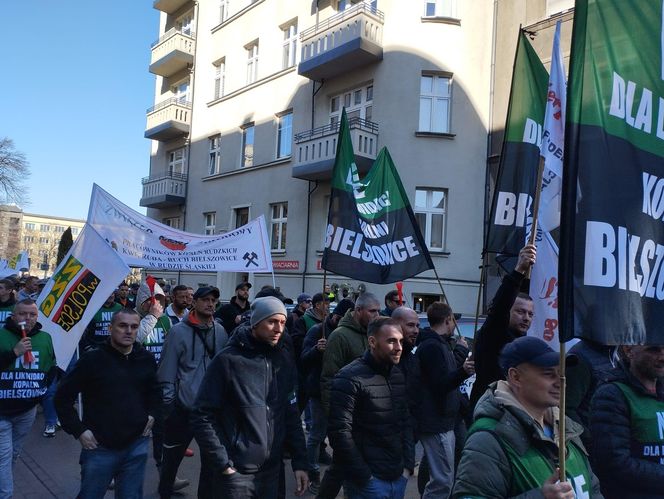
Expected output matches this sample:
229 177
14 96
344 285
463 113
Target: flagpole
562 447
274 282
324 284
536 203
440 283
479 295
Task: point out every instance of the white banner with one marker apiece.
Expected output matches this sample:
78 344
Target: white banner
76 291
544 291
143 242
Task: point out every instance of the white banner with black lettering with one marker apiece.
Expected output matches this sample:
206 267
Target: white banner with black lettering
143 242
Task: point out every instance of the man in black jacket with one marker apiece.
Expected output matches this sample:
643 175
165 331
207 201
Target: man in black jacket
443 367
246 409
627 426
510 315
118 383
230 315
369 426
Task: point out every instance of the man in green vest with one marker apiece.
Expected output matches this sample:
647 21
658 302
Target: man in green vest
7 300
627 426
27 367
96 333
512 448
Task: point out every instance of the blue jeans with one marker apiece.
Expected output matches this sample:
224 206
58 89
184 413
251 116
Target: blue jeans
317 433
99 466
13 430
378 489
47 403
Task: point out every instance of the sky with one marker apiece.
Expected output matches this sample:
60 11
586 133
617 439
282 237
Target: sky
76 90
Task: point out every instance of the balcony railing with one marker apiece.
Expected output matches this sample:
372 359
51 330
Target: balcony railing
164 190
173 52
343 42
316 149
168 119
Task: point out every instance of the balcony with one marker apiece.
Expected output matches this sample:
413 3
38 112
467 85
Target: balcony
168 120
316 149
173 52
169 6
346 41
164 190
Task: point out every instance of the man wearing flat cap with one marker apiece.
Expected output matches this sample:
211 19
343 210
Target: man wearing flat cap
230 314
512 447
187 353
246 410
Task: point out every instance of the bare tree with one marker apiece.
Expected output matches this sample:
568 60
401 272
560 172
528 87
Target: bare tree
14 173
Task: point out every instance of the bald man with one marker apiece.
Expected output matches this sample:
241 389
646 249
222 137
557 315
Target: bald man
410 327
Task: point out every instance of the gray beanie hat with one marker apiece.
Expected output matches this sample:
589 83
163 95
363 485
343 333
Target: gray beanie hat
262 308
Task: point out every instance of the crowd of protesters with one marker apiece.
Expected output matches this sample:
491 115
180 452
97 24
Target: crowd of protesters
256 385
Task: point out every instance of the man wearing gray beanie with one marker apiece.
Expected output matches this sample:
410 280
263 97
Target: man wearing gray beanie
246 409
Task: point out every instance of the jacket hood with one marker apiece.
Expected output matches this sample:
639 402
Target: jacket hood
349 322
243 339
429 334
311 313
621 373
12 325
144 293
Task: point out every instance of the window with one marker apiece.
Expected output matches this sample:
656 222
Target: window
219 78
241 216
173 222
210 222
224 10
252 62
43 240
74 231
435 100
44 228
440 8
181 92
176 162
289 54
185 24
556 6
431 212
29 239
247 158
347 4
358 104
214 162
59 229
29 226
285 135
278 226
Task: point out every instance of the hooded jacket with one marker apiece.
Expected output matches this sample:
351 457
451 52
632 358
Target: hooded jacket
148 321
346 343
227 314
486 470
615 441
24 385
6 308
119 393
246 410
311 359
188 350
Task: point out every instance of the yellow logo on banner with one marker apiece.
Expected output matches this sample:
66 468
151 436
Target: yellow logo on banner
60 281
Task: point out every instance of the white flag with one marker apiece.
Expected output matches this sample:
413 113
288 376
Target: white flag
143 242
76 291
544 291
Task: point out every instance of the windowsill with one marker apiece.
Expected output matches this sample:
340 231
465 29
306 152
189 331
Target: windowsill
246 169
236 15
278 252
441 19
434 252
439 135
255 84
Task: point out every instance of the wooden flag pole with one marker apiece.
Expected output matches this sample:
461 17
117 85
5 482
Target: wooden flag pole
562 448
324 286
536 203
479 296
442 290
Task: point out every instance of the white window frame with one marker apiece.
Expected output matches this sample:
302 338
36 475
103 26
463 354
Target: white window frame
428 211
173 222
441 8
181 91
224 10
434 102
354 108
59 229
247 160
185 24
280 222
252 62
289 50
74 231
29 226
285 135
177 161
45 228
219 78
210 222
214 156
43 240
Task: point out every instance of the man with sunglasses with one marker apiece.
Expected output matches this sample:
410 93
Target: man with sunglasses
392 302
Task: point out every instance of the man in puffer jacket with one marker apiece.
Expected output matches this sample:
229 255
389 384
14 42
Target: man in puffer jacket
627 428
511 450
246 409
369 424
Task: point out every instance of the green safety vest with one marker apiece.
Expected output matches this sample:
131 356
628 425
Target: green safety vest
155 340
646 425
4 313
531 469
102 320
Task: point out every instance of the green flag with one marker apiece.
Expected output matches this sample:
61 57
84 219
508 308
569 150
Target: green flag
371 231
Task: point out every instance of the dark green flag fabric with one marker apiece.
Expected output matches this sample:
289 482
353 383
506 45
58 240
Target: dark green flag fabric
371 230
612 228
517 172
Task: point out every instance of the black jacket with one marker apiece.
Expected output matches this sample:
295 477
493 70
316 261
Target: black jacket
311 359
119 392
620 474
368 426
494 335
246 410
435 385
227 313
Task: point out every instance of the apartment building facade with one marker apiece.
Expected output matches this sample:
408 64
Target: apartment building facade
248 95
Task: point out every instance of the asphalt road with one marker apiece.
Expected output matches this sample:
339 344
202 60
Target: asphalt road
48 468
